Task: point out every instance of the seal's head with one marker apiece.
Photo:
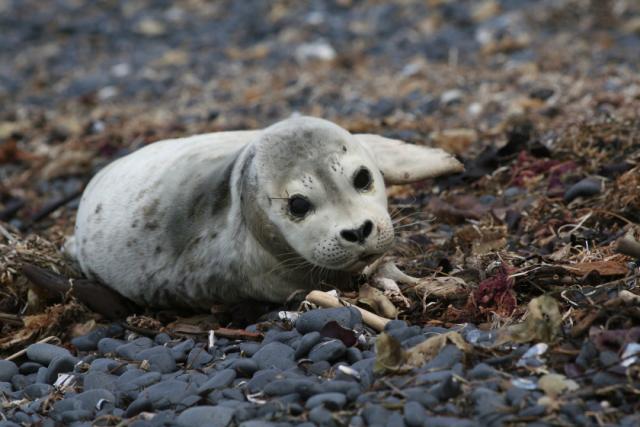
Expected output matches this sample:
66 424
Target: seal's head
312 190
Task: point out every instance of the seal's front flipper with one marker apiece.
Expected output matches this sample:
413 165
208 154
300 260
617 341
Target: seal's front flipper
97 297
402 163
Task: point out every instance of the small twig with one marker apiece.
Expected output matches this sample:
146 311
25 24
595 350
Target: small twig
55 205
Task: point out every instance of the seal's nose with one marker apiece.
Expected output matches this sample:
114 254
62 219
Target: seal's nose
358 235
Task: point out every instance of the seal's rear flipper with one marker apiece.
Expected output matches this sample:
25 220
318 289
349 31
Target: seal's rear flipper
402 163
97 297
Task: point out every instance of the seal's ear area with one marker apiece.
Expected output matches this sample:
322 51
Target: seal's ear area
402 163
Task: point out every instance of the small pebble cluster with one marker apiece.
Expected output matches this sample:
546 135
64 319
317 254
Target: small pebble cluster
294 376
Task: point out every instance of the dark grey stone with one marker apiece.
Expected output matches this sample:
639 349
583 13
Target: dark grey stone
395 324
314 320
328 350
137 406
482 371
167 393
450 422
282 387
245 367
331 401
29 367
160 359
131 349
98 380
76 415
321 417
448 356
162 338
59 365
198 357
414 414
37 390
220 380
261 379
275 354
44 353
7 370
209 416
249 348
88 399
306 343
109 345
374 414
89 341
182 349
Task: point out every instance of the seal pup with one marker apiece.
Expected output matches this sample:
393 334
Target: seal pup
229 216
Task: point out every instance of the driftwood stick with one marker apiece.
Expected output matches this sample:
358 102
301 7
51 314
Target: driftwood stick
628 246
325 300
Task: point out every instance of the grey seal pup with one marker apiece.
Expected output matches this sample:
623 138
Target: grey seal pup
229 216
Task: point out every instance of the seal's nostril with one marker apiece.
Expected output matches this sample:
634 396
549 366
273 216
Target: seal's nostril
349 235
367 228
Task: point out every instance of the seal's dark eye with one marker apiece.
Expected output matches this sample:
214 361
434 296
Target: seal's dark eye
362 179
299 206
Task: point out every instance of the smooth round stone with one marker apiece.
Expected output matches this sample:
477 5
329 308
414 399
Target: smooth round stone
41 376
160 359
8 424
137 406
402 334
285 337
533 411
585 188
314 320
44 353
7 370
198 357
287 386
448 356
103 364
249 348
162 338
182 349
450 422
482 371
89 342
395 324
261 379
245 367
220 380
275 355
29 367
59 365
90 398
306 344
319 368
167 393
99 380
331 401
321 416
6 387
414 414
37 390
109 345
375 414
353 355
76 415
329 351
209 416
131 349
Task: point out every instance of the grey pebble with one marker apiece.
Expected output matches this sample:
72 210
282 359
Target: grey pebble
245 367
331 401
249 348
137 406
44 353
314 320
282 387
88 399
395 324
321 416
210 416
261 379
57 366
584 188
167 393
160 359
97 380
37 390
89 342
182 349
162 338
131 349
7 370
220 380
448 356
450 422
275 354
482 371
29 367
328 350
198 357
306 343
109 345
414 414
